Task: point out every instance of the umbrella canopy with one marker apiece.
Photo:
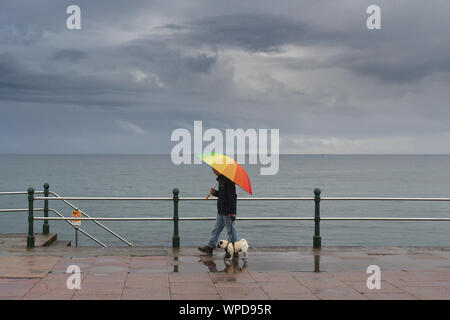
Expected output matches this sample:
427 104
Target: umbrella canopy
229 168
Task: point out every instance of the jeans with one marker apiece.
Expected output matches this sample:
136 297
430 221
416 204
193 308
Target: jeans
221 222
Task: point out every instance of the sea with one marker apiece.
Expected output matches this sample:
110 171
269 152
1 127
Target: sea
156 176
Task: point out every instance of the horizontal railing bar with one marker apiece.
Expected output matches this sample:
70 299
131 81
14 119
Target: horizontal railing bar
102 198
20 210
385 219
247 218
19 192
159 198
383 199
171 219
106 219
251 199
242 199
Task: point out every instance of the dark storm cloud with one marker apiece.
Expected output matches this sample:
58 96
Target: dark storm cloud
382 56
19 83
265 33
311 69
168 71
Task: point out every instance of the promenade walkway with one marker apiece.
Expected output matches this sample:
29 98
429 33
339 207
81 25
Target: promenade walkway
269 273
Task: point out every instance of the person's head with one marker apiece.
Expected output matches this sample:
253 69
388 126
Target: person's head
217 173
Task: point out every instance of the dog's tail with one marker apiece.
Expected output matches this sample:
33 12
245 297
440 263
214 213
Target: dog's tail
244 248
244 244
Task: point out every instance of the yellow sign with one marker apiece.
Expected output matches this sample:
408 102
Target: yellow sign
76 214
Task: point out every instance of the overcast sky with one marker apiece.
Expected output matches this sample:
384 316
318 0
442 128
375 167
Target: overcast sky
137 70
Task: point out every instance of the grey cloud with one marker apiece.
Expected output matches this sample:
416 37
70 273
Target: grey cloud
71 55
265 33
7 64
201 63
229 66
170 62
381 56
173 26
17 83
398 69
20 34
166 72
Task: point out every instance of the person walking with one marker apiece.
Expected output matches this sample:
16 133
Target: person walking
226 213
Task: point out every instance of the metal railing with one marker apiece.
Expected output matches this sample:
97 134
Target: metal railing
94 220
46 228
317 242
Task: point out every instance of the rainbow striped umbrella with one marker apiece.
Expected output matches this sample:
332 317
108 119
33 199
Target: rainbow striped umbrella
229 168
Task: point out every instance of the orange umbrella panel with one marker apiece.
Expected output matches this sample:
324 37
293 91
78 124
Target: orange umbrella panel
229 168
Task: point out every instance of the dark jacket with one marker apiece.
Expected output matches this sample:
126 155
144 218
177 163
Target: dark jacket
226 196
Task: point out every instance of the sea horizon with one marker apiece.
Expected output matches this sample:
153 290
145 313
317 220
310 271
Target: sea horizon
156 176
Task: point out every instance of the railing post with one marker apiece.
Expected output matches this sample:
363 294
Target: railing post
30 237
46 226
176 238
317 240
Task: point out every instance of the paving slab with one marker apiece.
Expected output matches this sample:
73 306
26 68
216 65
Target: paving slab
25 266
318 280
16 287
389 296
145 281
245 293
82 296
272 276
292 296
428 293
385 287
338 294
269 273
192 288
195 297
146 294
49 296
293 287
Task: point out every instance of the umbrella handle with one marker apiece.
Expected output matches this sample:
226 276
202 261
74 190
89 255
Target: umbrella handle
209 194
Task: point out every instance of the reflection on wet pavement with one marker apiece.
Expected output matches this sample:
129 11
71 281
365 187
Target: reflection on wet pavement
317 262
269 273
230 266
312 260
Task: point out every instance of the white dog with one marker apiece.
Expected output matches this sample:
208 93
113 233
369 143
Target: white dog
240 245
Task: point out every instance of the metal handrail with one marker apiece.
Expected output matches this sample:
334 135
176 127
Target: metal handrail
164 198
383 199
246 218
18 192
241 199
176 239
53 210
79 229
19 210
61 217
95 221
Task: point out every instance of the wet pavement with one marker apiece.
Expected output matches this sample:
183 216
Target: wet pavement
269 273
